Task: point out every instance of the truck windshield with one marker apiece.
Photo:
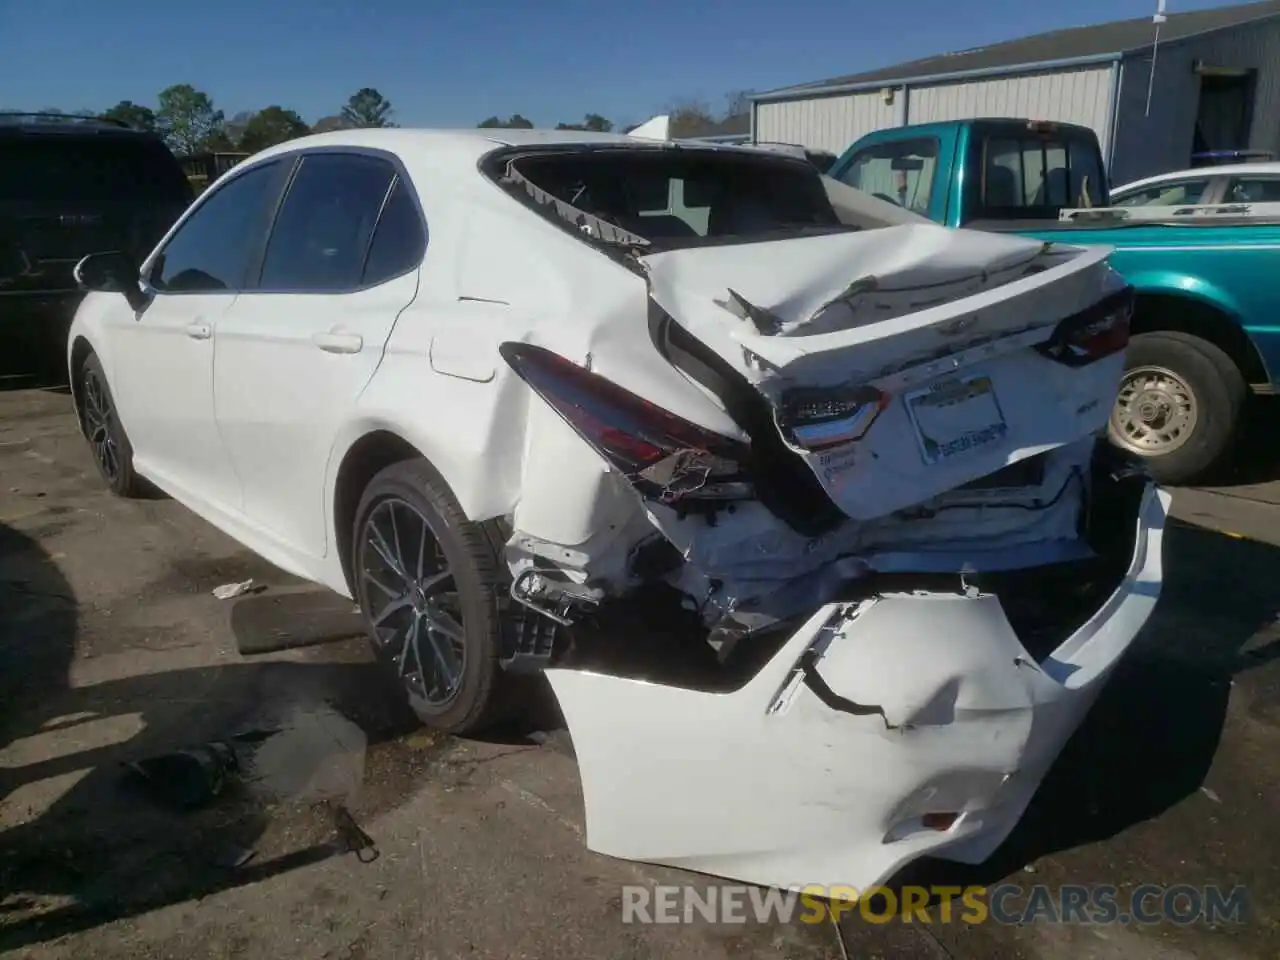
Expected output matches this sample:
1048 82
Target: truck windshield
898 171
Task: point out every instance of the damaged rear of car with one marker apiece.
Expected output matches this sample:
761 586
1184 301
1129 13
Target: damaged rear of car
878 487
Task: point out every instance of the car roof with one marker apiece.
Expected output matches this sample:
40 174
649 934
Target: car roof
470 145
1227 170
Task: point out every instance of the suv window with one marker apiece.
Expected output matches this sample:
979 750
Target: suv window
72 172
322 233
1040 173
399 241
1252 190
212 250
899 171
1167 194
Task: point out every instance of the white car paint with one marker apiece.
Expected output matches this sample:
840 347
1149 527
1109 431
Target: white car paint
1267 169
250 426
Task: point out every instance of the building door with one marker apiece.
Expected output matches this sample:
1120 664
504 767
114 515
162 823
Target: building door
1225 111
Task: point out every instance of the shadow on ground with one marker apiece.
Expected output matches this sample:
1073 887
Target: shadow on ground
86 843
1257 456
1152 736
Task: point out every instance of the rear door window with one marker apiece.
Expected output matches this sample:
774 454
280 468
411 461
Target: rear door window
900 172
1035 176
321 236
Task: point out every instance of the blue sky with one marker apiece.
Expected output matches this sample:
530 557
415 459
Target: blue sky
453 64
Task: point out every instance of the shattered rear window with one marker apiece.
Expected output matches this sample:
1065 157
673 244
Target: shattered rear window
675 198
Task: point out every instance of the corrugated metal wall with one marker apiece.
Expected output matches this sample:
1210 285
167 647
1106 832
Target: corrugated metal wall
826 123
1070 96
833 122
1147 145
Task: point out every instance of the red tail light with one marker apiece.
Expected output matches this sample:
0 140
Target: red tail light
1092 334
667 458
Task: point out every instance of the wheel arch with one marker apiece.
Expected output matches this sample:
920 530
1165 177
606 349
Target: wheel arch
376 446
81 349
1159 310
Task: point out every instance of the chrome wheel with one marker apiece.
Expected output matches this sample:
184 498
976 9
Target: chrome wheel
411 600
1155 412
97 426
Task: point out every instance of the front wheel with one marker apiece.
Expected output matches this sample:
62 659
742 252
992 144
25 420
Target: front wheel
1178 405
428 584
101 426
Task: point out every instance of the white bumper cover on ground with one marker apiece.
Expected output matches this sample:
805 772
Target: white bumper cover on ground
793 780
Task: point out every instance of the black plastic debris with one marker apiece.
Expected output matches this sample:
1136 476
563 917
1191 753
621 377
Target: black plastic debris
192 777
188 778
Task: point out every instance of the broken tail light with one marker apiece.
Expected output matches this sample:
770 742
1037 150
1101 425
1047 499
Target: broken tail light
816 418
666 457
1092 334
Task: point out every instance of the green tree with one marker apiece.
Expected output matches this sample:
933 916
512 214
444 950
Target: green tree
187 119
592 121
367 108
329 124
271 125
515 121
133 114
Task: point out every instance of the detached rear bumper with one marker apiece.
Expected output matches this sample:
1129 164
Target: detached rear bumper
823 767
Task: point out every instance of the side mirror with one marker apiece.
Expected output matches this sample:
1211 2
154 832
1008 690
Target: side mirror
111 272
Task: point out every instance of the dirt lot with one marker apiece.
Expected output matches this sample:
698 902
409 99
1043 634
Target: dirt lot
113 649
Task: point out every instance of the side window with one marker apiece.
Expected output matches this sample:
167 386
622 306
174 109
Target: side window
901 171
323 229
1252 190
399 241
1040 173
211 252
1166 194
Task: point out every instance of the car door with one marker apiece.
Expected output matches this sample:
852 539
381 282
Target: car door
162 366
294 353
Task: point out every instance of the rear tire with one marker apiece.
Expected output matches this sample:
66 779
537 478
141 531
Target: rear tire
430 590
101 426
1179 405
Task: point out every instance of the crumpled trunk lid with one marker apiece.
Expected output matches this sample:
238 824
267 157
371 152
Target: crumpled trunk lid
939 327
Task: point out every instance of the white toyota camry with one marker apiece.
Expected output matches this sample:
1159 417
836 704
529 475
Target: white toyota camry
495 385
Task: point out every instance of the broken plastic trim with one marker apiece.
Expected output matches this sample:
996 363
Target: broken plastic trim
816 418
668 459
589 224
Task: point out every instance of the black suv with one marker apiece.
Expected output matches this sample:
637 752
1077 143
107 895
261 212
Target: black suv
69 187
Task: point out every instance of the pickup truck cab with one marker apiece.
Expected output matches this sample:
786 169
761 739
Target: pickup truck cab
1204 331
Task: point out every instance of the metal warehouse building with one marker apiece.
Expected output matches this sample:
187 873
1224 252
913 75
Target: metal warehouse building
1216 86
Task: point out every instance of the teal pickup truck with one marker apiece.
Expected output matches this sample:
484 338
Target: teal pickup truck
1206 329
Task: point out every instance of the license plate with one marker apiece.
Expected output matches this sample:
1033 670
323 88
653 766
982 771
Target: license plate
956 416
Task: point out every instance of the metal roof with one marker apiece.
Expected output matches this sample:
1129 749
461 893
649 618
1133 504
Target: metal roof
1057 48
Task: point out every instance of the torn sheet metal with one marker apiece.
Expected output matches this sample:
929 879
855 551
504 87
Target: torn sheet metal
826 770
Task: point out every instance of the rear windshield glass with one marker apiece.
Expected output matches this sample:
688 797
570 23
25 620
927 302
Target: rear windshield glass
79 171
687 199
1030 175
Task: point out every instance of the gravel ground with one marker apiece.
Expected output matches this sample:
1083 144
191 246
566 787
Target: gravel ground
112 649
